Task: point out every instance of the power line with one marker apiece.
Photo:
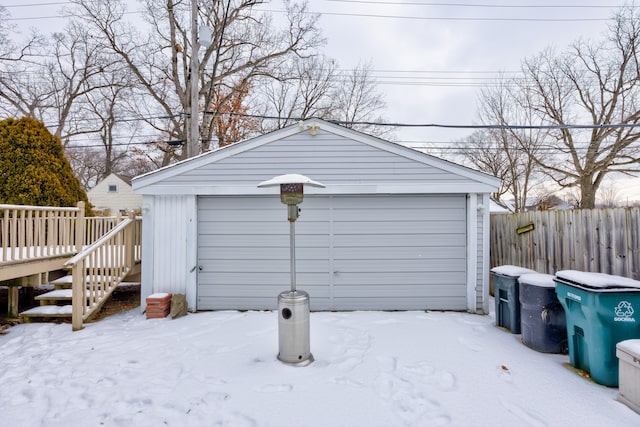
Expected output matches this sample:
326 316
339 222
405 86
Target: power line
369 15
444 126
11 6
450 18
60 16
510 6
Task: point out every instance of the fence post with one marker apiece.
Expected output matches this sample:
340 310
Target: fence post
4 235
13 295
128 241
80 228
78 295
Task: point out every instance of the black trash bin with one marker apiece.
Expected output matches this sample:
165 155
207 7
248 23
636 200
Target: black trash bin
543 324
507 295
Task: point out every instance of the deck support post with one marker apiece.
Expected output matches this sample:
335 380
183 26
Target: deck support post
78 296
129 254
80 228
13 295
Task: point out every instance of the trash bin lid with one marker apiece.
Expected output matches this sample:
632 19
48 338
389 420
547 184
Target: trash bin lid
596 280
631 347
511 270
538 279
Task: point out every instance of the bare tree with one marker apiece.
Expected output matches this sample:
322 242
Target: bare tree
105 108
317 88
483 151
87 164
53 88
593 83
509 153
245 45
609 196
356 99
10 50
301 94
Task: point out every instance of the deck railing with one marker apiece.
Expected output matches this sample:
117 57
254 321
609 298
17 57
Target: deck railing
31 232
100 267
28 233
98 226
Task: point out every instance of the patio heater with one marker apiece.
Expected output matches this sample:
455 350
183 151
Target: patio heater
293 305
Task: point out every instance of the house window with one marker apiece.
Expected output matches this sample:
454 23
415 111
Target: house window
113 188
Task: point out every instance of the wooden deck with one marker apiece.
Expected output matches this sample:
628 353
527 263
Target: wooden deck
99 253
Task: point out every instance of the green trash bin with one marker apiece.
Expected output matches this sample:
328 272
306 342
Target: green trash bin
506 294
601 310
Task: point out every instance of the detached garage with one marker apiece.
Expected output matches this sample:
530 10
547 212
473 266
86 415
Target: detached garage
394 229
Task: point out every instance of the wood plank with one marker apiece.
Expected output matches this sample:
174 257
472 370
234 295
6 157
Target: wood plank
48 311
597 240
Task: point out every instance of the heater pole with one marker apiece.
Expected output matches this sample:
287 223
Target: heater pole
292 247
293 306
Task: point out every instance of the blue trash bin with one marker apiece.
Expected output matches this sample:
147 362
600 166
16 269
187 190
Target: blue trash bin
543 323
602 310
506 293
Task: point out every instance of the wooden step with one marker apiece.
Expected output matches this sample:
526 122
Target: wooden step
65 282
62 282
45 311
50 298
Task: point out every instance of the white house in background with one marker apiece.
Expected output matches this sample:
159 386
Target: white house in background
113 195
394 229
500 207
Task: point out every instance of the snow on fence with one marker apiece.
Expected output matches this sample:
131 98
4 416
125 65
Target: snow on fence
28 232
32 232
594 240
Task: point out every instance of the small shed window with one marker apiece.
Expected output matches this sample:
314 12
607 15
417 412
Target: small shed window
113 188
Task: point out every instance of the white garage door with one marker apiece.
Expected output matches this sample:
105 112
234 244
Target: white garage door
353 252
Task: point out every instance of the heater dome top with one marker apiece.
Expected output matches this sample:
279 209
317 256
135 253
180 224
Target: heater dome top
290 178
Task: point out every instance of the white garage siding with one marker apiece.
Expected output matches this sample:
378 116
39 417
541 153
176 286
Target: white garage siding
353 252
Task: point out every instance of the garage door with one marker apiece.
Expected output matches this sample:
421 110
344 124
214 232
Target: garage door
352 252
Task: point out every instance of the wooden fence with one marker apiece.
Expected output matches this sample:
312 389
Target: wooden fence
594 240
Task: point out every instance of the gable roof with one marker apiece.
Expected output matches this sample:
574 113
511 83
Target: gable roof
112 178
313 126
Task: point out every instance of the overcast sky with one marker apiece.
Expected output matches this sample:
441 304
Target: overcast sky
430 57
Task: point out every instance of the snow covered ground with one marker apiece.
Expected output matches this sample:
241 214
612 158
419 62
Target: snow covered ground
220 369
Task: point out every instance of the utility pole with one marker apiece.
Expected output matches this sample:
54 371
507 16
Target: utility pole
193 141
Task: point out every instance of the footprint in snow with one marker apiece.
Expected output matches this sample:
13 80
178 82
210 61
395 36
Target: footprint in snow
386 322
414 408
473 322
227 349
479 328
232 419
273 388
526 417
470 344
424 373
347 382
260 332
350 347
